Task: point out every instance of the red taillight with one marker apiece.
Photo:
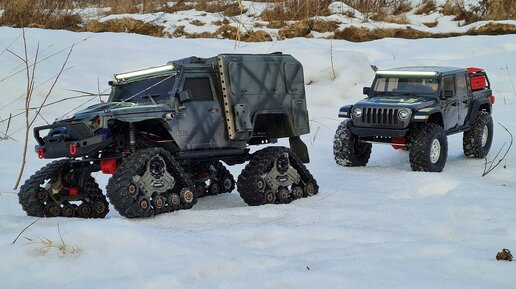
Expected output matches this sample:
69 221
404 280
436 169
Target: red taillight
492 99
41 153
72 192
73 149
108 166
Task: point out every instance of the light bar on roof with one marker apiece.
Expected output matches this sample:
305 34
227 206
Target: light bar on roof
407 73
144 71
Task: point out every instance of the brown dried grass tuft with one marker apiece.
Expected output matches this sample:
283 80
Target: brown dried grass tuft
431 24
128 25
288 10
391 18
493 29
497 9
42 14
426 7
303 28
456 8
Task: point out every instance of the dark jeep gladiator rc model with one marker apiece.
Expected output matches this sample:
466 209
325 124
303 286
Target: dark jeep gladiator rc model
164 133
415 108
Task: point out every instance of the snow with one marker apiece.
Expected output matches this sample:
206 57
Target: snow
379 226
342 13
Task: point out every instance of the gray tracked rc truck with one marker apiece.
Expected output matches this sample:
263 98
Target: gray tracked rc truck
415 108
164 133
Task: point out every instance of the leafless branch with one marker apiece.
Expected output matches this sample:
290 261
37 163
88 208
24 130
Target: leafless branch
490 166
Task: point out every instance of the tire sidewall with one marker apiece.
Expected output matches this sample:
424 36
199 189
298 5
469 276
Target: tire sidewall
420 149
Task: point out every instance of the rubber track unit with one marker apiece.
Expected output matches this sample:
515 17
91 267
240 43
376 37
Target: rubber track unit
223 174
220 179
93 202
260 164
128 205
345 147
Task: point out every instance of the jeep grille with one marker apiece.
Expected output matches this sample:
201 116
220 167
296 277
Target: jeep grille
384 116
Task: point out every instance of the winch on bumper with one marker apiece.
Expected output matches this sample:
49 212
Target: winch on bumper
68 139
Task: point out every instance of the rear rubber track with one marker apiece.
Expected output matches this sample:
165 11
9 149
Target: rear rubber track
254 190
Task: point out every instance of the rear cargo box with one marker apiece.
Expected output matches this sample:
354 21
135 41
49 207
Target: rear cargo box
478 78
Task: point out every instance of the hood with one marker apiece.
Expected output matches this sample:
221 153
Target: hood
409 101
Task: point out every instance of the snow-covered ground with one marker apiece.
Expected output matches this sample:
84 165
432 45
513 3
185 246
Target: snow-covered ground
380 226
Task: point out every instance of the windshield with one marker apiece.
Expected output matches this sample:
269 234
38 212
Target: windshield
149 90
392 85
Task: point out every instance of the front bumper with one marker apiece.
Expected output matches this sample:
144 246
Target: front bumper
68 142
369 132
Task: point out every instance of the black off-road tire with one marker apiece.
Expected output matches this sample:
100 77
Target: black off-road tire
253 188
348 151
428 148
127 198
477 141
90 195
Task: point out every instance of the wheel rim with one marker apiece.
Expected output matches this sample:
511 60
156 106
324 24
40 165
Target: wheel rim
435 151
485 135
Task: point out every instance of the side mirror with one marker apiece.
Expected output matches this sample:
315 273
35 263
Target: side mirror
185 96
366 90
448 93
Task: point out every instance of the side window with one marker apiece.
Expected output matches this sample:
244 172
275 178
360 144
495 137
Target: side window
200 88
461 84
448 84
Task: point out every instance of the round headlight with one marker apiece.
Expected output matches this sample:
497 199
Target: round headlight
357 112
403 114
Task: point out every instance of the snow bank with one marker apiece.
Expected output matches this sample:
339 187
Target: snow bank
380 226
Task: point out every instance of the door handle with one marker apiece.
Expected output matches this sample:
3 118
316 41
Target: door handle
465 101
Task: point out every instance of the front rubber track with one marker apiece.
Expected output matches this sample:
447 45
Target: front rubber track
128 202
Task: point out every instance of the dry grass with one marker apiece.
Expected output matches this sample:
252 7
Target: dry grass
303 28
493 29
127 25
456 8
42 14
426 7
431 24
228 32
197 22
497 9
356 34
178 6
287 10
225 7
391 18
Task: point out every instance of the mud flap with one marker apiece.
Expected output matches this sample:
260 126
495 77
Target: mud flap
299 147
